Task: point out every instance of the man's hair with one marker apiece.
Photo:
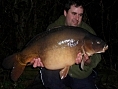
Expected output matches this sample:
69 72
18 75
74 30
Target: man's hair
69 3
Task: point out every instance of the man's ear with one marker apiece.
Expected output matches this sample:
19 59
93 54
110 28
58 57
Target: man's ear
65 13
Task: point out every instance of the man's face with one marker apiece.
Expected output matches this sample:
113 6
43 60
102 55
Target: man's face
74 16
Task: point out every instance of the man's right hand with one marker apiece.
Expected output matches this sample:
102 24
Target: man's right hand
37 62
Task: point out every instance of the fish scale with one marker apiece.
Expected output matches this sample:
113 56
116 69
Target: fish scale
57 48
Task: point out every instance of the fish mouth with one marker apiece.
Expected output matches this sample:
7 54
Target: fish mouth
104 49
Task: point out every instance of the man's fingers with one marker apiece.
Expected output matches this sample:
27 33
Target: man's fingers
39 63
35 63
79 58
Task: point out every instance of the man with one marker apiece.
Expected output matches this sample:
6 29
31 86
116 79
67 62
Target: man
76 78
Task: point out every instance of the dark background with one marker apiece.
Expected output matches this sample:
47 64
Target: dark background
23 19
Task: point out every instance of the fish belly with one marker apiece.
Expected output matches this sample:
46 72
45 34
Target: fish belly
59 58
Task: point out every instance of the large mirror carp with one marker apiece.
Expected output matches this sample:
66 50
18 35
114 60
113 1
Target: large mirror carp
57 48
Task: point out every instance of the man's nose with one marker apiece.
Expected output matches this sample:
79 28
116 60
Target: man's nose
77 17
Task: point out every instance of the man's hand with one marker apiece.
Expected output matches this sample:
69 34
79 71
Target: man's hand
87 62
81 57
37 62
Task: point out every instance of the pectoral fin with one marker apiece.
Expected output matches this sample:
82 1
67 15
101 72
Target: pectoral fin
82 64
64 72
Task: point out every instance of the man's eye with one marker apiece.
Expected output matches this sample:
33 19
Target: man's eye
74 13
81 14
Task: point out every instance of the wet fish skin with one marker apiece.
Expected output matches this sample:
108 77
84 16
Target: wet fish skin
57 48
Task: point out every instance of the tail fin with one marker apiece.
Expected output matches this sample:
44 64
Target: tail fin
11 62
8 62
17 71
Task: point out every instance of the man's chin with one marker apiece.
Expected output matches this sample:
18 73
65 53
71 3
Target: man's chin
75 25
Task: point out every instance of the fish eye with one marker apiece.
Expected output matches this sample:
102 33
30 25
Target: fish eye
98 42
